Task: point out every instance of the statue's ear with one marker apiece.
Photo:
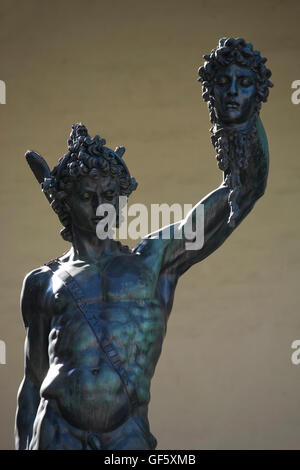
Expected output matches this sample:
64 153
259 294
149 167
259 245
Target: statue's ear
38 165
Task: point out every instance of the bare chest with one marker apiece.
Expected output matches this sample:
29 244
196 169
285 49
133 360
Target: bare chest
121 299
122 278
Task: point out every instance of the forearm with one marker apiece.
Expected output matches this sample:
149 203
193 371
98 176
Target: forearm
248 183
28 402
262 162
254 177
216 208
211 224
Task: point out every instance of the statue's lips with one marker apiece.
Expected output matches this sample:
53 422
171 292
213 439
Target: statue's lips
232 105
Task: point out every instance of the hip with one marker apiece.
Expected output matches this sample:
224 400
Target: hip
52 432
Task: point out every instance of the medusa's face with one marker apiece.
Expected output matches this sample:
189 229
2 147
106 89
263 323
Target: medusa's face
234 94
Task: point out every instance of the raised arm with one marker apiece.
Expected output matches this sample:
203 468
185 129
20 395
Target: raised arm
176 254
36 355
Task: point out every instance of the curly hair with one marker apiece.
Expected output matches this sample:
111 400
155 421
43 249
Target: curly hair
237 51
233 147
86 157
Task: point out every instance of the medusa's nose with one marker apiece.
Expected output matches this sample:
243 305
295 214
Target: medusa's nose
232 91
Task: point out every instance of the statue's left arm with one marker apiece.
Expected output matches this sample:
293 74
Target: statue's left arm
176 253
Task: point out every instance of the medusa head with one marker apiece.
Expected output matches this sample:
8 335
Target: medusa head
232 67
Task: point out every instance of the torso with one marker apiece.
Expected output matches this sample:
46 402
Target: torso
125 295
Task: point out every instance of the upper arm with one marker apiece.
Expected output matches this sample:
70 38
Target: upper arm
178 252
35 313
203 230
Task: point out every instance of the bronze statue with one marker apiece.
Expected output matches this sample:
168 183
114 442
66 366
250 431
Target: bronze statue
96 316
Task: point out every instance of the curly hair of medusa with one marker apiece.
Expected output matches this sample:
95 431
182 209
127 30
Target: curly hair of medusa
86 157
239 52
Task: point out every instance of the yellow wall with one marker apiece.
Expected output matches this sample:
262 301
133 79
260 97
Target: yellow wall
128 70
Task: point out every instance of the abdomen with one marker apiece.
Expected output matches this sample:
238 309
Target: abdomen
90 398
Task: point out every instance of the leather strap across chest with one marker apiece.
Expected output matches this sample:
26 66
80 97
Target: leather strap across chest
92 318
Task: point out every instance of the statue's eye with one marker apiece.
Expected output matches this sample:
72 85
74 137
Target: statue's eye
85 196
246 82
109 195
222 80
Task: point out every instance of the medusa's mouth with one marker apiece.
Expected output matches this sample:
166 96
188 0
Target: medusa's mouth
232 105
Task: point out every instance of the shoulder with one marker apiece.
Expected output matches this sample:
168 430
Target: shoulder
151 250
36 279
35 291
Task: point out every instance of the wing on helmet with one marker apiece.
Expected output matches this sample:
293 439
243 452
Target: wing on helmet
39 168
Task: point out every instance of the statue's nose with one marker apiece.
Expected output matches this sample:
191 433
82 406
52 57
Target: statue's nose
232 91
97 201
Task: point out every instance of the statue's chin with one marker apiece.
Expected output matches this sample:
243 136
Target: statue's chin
235 122
235 118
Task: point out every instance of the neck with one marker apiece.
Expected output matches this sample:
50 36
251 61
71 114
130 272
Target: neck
88 247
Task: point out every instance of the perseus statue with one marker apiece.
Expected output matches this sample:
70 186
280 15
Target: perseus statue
96 316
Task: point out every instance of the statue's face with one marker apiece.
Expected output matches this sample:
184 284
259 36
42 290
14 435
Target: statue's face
234 94
87 194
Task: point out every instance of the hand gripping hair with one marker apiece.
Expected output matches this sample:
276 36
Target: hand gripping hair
86 157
